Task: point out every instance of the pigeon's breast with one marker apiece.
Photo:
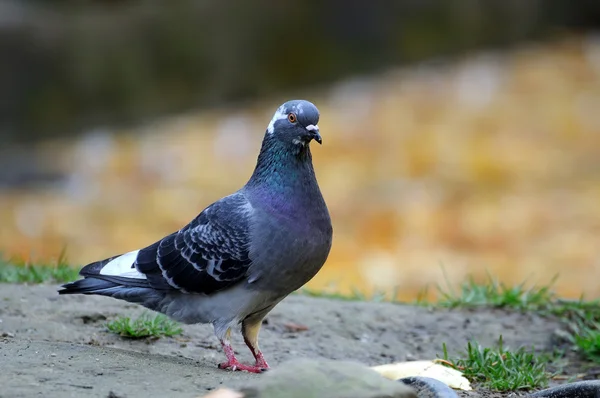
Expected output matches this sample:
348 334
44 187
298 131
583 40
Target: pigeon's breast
289 249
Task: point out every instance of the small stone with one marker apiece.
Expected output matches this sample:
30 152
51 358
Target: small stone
8 334
325 378
53 354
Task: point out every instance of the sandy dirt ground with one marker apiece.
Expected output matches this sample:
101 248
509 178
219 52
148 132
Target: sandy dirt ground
58 346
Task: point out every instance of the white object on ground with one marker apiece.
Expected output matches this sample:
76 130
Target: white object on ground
451 377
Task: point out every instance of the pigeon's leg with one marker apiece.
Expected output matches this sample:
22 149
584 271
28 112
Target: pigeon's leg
232 362
250 329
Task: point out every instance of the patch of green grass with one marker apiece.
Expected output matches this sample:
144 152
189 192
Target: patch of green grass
583 326
144 327
587 340
581 318
500 369
580 310
18 271
495 294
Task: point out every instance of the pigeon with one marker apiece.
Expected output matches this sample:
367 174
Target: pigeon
243 254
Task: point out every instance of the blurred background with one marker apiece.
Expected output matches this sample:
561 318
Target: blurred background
459 137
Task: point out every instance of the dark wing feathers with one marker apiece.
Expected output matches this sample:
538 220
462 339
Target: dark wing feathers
208 255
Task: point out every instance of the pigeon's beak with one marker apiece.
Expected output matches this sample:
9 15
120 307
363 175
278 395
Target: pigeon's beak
314 131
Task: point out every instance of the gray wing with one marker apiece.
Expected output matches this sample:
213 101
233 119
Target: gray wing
208 255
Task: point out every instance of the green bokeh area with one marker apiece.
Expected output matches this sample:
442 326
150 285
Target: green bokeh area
69 65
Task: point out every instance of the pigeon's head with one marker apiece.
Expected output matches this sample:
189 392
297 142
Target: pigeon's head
295 122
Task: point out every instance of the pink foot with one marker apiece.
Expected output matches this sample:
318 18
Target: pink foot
235 365
260 361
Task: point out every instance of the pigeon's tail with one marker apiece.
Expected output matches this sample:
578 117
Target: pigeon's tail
115 277
145 296
108 276
89 285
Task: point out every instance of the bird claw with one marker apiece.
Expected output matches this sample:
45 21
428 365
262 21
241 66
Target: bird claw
236 366
262 364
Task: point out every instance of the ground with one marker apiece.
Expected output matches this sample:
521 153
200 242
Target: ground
54 345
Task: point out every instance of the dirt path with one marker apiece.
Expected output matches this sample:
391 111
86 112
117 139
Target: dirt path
57 345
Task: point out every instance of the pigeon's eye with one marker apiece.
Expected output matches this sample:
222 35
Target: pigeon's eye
292 117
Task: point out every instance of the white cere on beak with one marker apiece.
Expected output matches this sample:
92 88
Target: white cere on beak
279 115
312 127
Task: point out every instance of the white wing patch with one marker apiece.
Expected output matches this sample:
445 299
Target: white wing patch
122 266
279 115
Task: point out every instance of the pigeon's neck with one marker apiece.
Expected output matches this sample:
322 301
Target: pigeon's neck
284 176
